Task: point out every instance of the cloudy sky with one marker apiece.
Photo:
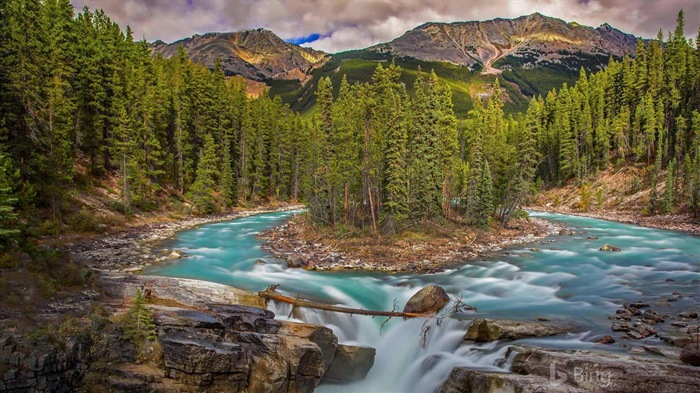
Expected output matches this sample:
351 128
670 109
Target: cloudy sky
337 25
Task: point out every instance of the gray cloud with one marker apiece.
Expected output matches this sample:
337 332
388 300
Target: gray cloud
352 24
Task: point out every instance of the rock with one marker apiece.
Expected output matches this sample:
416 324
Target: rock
637 305
652 316
465 380
246 318
608 247
320 335
671 353
173 256
592 238
485 330
605 372
605 340
636 350
200 360
691 354
689 315
351 364
428 300
192 293
182 317
566 232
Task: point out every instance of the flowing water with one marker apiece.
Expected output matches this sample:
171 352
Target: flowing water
567 279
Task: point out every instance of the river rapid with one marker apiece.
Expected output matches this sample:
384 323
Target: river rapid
564 278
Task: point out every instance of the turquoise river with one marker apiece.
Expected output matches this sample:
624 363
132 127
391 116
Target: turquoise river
569 279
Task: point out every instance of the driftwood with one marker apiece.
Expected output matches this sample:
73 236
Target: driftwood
271 293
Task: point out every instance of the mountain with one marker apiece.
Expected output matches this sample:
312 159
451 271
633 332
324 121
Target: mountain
530 41
532 54
254 54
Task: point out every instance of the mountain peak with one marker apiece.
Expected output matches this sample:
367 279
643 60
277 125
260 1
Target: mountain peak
529 40
257 54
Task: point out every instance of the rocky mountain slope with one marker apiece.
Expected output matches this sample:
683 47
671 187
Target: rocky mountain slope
254 54
532 40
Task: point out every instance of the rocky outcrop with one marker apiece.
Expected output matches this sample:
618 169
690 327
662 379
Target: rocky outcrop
209 343
192 293
39 366
485 330
464 380
573 371
607 372
351 364
428 300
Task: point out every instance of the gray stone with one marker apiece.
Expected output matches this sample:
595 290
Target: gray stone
485 330
607 372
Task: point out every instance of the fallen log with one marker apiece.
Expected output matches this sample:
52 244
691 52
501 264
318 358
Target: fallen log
271 293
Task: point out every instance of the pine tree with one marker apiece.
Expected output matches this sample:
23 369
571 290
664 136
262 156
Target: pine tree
667 205
8 201
204 186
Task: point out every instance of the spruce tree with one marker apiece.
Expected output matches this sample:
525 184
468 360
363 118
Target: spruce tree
204 186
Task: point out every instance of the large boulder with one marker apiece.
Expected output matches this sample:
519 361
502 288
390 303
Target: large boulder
606 372
691 354
319 335
464 380
350 364
485 330
428 300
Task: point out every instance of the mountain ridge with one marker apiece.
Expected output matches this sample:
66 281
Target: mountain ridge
256 54
532 39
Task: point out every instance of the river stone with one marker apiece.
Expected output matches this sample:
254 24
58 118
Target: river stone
351 364
608 247
566 232
691 354
485 330
428 300
606 372
606 340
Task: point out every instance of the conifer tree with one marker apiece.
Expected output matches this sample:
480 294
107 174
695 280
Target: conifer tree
204 186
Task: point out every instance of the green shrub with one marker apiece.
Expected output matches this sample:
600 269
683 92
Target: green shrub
138 326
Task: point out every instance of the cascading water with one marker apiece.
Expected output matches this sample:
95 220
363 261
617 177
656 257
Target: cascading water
569 279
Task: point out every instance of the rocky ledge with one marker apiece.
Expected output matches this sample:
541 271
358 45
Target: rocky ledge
573 371
209 337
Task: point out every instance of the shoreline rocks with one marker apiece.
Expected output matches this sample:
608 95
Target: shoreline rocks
573 371
135 248
288 242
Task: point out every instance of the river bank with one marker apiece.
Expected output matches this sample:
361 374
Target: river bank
672 222
303 245
134 248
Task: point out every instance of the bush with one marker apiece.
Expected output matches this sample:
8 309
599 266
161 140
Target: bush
84 221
